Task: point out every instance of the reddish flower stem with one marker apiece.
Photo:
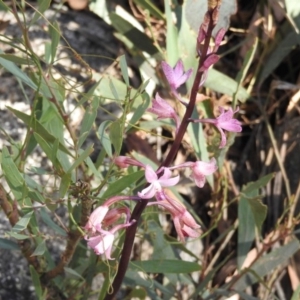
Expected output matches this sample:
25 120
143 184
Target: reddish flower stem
139 208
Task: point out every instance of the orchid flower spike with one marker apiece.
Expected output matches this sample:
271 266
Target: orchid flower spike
156 184
176 76
164 110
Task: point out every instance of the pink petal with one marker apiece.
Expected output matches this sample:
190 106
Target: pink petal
178 70
223 137
169 182
105 244
188 219
148 192
150 175
169 73
201 167
232 125
190 232
199 180
96 217
178 229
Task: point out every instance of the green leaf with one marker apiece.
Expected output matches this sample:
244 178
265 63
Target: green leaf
39 128
92 168
283 48
123 183
187 41
172 36
246 230
16 59
43 6
138 38
17 72
137 293
245 67
72 273
55 37
83 155
3 6
50 152
18 236
124 69
266 264
40 249
226 85
252 187
153 10
139 111
22 223
13 177
104 138
36 282
64 184
259 211
88 120
48 221
116 136
8 244
251 213
133 279
165 266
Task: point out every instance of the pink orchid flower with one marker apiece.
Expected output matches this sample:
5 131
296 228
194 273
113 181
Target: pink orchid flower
200 169
156 184
176 76
223 122
184 222
102 243
163 110
96 218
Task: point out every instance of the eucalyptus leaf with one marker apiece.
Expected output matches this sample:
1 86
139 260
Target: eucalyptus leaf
172 36
124 69
165 266
8 244
40 249
38 128
22 223
72 273
42 7
104 138
121 184
36 282
252 213
49 222
116 136
55 38
266 264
